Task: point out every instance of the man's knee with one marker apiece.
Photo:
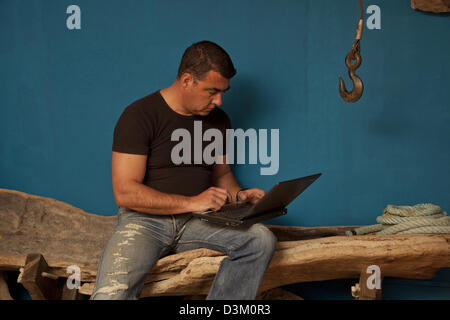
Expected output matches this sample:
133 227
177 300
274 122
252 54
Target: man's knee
264 240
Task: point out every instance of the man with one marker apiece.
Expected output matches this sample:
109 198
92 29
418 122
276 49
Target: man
156 198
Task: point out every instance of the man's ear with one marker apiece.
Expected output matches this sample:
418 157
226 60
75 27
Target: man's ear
186 80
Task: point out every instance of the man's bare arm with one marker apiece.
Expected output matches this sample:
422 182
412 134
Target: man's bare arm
128 171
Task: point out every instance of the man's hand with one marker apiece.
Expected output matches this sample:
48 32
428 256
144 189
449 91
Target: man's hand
250 195
211 199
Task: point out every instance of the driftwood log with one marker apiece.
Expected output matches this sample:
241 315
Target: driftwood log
67 236
436 6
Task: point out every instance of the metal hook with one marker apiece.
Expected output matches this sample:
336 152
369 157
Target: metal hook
354 55
358 86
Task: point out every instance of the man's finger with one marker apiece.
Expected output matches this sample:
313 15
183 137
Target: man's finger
257 193
221 196
219 190
242 196
217 204
254 195
229 197
219 199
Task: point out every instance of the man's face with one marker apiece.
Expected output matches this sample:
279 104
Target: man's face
202 96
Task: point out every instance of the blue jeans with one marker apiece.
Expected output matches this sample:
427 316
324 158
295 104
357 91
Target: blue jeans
140 239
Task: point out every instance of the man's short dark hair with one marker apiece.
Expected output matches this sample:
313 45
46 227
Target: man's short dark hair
204 56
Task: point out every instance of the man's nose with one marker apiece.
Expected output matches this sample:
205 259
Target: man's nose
218 99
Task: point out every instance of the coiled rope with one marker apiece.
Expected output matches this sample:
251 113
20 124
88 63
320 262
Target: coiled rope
421 218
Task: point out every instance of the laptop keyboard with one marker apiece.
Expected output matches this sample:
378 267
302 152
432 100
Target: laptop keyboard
235 210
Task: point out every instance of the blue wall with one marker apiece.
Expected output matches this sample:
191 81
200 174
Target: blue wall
62 92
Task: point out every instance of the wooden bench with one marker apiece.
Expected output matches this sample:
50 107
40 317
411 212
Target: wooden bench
64 235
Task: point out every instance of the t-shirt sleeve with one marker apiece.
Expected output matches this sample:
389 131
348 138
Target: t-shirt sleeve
131 133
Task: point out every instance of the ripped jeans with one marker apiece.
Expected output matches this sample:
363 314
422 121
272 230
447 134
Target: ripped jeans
140 239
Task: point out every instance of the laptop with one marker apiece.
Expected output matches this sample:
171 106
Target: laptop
272 205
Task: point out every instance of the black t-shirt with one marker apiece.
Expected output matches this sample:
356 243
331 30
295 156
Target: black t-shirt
146 126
